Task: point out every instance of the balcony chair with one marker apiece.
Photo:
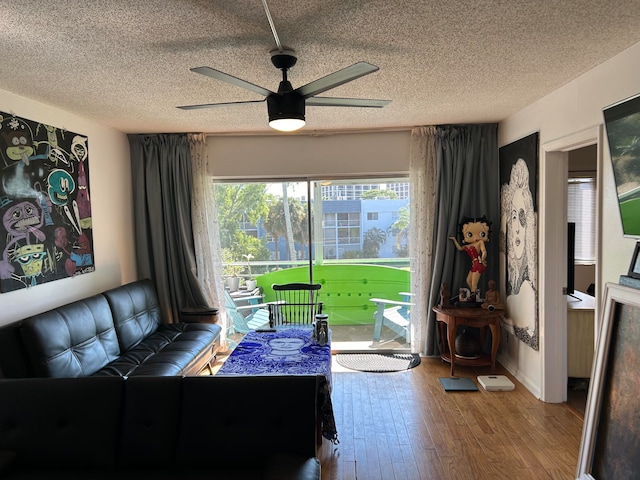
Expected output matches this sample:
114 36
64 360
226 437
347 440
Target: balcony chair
295 304
247 312
396 316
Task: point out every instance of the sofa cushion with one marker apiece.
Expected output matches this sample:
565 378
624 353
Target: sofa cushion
77 339
59 422
177 349
246 414
136 312
150 421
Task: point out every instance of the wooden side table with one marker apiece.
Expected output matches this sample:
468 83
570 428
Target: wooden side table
449 319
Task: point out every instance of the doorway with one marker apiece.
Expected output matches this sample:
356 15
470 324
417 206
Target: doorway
581 275
553 254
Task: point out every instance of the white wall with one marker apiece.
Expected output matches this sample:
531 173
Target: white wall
573 108
110 190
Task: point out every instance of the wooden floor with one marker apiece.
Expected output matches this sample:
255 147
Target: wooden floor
403 425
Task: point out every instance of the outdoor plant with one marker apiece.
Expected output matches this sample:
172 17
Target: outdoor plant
228 268
249 257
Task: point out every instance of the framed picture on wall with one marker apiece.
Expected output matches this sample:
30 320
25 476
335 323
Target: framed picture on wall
518 235
611 428
634 267
46 232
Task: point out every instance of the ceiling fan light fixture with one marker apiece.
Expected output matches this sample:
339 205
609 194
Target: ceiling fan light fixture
287 124
286 112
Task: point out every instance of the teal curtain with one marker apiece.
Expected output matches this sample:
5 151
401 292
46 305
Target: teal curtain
468 185
162 189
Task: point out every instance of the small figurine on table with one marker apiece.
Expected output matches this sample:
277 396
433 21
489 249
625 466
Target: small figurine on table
492 298
475 233
445 295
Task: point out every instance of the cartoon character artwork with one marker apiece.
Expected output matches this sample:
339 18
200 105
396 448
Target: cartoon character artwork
80 152
22 223
19 143
46 231
475 233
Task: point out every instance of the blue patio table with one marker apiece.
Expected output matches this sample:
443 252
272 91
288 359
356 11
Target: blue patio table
287 350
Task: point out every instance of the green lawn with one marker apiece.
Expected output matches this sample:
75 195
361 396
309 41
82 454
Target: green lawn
630 211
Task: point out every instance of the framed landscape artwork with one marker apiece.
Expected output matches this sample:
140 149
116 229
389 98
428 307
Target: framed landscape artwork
518 236
46 232
634 267
611 430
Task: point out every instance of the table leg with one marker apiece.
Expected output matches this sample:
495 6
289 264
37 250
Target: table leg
495 342
451 337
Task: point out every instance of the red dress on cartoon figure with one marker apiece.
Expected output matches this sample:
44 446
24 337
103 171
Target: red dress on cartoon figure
475 234
476 263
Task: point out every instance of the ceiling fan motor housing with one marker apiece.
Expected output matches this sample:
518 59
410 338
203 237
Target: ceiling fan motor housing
283 59
289 105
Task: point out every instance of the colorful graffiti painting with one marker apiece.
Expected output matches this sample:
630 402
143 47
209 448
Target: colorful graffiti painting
46 232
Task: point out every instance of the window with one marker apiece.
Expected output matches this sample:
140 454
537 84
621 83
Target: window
328 228
582 211
341 228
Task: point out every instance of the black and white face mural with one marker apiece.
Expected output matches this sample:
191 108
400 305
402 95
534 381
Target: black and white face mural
46 232
518 236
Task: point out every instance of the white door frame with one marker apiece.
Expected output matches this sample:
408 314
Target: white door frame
552 255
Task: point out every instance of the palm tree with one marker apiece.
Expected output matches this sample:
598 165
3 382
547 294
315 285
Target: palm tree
276 223
400 228
287 221
373 239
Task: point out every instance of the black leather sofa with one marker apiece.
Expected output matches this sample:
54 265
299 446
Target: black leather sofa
119 332
200 427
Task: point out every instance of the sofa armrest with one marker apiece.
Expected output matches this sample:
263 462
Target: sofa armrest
199 314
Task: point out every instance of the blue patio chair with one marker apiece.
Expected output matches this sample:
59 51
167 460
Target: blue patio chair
393 314
246 312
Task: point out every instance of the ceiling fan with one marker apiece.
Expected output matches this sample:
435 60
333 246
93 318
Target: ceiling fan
286 107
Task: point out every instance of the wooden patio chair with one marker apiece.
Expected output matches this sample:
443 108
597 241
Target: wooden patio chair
295 304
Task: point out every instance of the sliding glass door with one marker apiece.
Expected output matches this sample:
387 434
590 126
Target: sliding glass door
351 236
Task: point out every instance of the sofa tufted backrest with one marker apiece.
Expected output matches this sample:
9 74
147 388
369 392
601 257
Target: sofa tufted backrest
154 427
74 340
136 312
61 422
248 432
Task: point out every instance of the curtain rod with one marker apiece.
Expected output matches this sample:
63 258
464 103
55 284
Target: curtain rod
312 133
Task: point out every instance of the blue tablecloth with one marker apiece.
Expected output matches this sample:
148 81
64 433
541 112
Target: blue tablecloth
287 351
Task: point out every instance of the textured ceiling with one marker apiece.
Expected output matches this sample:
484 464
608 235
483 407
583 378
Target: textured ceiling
126 63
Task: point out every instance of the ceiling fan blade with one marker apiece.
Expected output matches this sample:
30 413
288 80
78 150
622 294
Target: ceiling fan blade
345 102
336 79
225 77
211 105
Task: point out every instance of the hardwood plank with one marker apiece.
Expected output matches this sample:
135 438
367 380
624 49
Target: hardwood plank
403 425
